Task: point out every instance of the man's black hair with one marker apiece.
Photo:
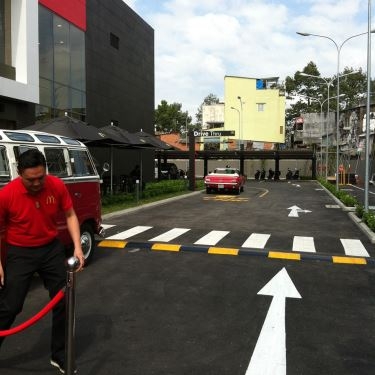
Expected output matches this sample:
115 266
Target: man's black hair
30 159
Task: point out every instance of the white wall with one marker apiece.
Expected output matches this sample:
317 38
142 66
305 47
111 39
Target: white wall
25 52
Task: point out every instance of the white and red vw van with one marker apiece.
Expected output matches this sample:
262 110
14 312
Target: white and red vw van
68 159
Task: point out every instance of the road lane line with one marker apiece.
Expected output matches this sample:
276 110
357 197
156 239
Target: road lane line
128 233
212 238
170 235
304 244
256 241
354 248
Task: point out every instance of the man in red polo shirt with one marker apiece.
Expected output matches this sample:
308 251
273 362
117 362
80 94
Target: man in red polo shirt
28 208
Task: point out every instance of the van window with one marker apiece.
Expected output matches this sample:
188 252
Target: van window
56 163
4 166
18 150
81 164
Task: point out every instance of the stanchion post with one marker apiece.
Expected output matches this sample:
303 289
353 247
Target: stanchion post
137 190
72 265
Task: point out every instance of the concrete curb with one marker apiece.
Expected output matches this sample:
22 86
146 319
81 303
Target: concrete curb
351 212
149 205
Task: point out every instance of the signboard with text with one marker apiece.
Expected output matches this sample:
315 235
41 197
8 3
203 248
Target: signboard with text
214 133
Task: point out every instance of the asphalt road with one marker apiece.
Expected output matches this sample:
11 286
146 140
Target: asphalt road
147 311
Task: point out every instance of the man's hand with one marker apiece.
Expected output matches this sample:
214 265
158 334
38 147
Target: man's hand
78 253
2 278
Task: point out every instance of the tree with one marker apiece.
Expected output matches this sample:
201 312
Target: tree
170 118
209 99
352 85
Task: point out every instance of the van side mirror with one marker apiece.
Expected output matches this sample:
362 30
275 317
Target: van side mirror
106 167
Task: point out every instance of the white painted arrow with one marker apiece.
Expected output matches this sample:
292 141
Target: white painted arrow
294 211
269 356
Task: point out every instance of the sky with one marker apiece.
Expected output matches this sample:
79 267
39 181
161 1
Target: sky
199 42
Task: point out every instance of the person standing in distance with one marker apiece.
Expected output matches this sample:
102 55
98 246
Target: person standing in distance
28 208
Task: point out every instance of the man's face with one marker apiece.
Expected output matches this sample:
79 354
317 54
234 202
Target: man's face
33 179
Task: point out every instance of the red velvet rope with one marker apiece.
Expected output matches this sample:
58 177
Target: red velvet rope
46 309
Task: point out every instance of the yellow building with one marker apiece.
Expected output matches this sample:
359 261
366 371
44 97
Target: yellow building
255 110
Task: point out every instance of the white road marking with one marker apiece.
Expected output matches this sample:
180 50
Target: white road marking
354 248
170 235
212 238
304 244
107 226
128 233
269 356
256 241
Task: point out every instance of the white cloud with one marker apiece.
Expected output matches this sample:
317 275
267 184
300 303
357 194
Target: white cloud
198 42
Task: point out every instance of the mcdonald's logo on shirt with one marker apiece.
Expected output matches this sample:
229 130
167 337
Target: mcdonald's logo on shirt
50 199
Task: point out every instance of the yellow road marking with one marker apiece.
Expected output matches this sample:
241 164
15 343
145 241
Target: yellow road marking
283 255
222 251
112 243
348 260
165 247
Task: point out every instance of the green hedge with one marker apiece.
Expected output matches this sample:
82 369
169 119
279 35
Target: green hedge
152 190
367 217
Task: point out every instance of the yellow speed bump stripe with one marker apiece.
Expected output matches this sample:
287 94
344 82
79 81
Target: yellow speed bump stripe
222 251
165 247
112 243
348 260
283 255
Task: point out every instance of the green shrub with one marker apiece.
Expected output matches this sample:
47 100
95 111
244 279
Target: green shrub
369 219
359 210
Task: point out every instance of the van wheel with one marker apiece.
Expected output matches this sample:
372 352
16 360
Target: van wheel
87 242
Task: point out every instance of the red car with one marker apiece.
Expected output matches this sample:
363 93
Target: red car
225 179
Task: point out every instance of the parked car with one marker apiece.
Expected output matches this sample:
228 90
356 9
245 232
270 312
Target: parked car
225 179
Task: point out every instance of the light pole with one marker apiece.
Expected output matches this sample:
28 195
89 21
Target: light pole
321 122
239 125
328 83
338 48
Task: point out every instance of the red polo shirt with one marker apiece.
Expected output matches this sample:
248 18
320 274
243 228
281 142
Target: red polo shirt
31 220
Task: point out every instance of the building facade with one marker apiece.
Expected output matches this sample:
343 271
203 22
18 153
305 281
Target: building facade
93 60
256 108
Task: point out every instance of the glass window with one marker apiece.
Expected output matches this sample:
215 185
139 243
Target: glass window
4 166
77 58
260 107
47 138
81 163
61 50
18 150
45 44
56 163
62 67
21 137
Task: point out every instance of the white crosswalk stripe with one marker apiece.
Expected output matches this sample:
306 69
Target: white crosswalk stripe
212 238
354 248
170 235
256 241
128 233
304 244
351 247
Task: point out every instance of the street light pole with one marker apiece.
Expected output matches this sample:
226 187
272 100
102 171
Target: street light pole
241 128
321 118
239 125
338 48
328 83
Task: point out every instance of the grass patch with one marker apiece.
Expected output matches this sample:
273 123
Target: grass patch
153 191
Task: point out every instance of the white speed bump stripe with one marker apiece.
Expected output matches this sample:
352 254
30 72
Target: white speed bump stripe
354 248
304 244
129 233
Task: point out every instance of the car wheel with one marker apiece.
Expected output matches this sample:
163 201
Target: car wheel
208 190
87 241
